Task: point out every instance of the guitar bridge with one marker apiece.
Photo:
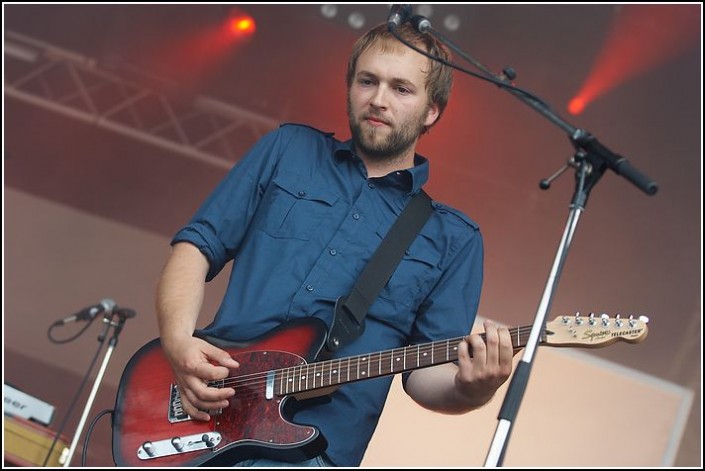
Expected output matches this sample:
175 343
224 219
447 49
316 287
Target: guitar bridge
176 412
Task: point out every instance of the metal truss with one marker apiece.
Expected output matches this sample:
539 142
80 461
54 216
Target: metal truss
75 86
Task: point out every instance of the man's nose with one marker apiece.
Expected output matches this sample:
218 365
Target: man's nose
380 98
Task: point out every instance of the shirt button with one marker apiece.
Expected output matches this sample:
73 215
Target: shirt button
370 185
407 252
332 252
302 193
356 216
309 288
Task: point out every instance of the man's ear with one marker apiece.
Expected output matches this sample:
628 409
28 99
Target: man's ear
431 114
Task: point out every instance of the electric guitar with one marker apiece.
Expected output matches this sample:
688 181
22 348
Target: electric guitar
150 427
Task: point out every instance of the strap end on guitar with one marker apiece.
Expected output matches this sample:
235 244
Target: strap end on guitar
345 327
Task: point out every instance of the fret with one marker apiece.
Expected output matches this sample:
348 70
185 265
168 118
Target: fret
397 359
300 375
437 352
379 367
410 356
424 358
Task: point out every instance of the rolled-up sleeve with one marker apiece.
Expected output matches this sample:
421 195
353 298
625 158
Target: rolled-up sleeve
219 226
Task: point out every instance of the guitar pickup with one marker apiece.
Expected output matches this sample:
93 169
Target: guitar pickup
177 445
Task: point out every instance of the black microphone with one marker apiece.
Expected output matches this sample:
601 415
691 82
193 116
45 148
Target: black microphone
421 23
125 312
398 15
89 313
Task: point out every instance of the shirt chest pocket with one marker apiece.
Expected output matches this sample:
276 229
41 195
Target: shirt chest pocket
415 275
296 207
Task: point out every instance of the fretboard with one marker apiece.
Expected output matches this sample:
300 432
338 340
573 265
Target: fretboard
338 371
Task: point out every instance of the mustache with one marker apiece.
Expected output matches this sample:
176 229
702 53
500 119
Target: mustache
376 117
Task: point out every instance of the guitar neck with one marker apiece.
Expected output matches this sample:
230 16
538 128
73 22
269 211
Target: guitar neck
338 371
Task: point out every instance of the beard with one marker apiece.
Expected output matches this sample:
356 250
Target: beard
372 141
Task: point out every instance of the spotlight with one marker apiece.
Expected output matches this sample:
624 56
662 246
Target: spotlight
241 24
329 10
452 22
356 20
425 10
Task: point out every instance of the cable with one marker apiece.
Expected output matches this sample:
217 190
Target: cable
490 79
70 339
90 431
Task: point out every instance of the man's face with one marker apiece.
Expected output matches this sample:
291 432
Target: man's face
388 106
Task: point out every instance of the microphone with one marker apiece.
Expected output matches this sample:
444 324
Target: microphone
398 15
89 313
125 312
421 23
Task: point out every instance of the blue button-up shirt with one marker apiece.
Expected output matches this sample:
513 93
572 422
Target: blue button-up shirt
300 218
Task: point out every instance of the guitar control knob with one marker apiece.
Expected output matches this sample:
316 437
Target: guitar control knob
148 447
208 440
177 443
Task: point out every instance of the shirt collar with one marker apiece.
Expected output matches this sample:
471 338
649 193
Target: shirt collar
412 179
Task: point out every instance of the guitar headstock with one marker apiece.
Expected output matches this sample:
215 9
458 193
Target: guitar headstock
591 331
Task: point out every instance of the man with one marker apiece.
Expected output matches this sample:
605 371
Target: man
301 215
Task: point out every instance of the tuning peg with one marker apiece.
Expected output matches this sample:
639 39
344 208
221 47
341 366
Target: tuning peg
578 319
591 321
618 321
605 319
632 322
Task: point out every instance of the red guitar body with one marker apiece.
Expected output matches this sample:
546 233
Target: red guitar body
253 425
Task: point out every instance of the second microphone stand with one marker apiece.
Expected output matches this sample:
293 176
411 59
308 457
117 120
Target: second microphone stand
115 319
591 160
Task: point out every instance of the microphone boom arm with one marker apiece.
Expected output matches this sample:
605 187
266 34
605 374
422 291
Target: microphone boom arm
598 154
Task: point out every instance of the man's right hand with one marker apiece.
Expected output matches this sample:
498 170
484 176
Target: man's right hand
195 362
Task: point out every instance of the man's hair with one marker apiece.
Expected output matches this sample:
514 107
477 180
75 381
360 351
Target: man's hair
439 79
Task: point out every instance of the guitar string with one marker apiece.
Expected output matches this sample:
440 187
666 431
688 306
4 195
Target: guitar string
254 380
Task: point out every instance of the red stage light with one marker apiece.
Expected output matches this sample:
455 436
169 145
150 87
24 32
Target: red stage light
642 37
242 25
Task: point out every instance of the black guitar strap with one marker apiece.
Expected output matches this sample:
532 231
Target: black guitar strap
348 318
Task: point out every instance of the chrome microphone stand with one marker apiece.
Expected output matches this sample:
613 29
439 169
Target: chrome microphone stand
591 160
115 319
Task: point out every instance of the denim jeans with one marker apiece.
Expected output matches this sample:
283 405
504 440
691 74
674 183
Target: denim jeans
319 461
